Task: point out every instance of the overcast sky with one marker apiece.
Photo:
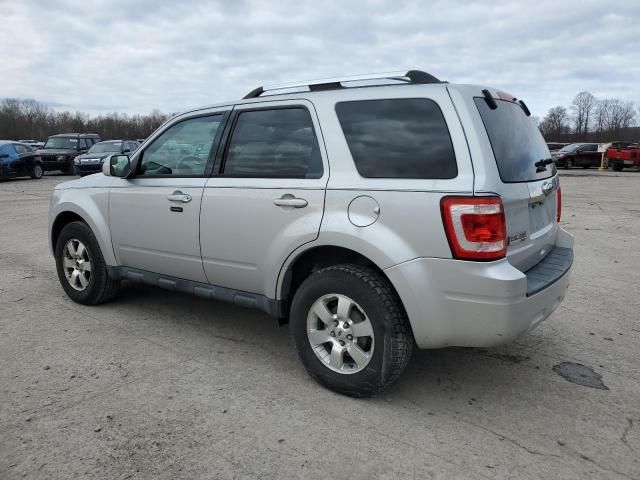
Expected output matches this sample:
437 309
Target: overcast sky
135 56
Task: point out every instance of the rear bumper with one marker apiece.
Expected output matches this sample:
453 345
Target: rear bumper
475 304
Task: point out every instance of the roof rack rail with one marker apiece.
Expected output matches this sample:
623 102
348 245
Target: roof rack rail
412 76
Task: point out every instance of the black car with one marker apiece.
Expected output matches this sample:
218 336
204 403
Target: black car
91 162
19 160
60 150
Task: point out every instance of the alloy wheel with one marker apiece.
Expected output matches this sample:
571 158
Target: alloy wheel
340 333
77 264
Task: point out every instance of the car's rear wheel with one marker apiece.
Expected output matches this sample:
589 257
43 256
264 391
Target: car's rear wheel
569 163
81 267
350 330
36 171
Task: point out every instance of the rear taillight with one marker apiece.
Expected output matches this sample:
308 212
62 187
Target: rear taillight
558 204
475 227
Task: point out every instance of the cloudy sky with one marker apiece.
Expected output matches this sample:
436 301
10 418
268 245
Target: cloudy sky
135 56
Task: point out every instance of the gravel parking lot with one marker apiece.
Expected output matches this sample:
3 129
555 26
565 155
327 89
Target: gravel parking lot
162 385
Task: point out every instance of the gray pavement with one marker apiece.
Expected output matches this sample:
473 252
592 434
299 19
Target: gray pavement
161 385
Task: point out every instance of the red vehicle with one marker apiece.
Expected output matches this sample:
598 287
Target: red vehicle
623 155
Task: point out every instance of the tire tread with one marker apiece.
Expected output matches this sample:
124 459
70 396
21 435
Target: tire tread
401 336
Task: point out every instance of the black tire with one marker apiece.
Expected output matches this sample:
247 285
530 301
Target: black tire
392 334
71 168
101 287
617 166
36 171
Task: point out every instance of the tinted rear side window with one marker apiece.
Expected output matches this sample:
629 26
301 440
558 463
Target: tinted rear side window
279 143
516 142
398 138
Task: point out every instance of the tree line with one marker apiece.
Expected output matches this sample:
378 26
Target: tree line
591 119
29 119
588 119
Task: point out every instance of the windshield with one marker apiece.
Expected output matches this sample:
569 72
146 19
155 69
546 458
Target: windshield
570 148
62 142
104 147
518 147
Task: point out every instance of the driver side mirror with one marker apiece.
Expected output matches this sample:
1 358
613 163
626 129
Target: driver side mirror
118 166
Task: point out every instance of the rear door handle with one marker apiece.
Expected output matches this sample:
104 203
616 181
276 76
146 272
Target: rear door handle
288 200
178 196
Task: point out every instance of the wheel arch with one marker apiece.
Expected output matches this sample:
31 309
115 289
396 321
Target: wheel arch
303 263
68 213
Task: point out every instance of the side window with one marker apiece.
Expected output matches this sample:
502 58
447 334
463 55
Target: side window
7 150
20 149
398 138
83 144
183 149
279 143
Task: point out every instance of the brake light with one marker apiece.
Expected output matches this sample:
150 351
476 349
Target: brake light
559 204
475 227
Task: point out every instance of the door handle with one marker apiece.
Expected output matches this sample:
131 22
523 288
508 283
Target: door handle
288 200
178 196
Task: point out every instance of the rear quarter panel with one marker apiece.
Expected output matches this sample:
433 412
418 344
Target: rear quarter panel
409 224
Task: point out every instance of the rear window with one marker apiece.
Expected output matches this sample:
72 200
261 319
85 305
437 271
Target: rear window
398 138
516 142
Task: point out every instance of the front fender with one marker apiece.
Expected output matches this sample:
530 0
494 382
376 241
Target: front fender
92 205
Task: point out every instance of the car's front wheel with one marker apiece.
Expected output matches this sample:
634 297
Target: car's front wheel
350 330
81 268
36 171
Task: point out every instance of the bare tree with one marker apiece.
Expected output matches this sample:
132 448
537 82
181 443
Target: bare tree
583 106
29 119
555 123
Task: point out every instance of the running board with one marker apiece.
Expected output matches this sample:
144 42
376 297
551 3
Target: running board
271 307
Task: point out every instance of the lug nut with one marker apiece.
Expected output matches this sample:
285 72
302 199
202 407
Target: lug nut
336 323
349 337
341 343
333 334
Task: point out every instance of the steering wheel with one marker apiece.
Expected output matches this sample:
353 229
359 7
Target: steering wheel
187 163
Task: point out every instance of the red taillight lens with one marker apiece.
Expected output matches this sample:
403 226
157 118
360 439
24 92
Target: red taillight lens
559 204
475 227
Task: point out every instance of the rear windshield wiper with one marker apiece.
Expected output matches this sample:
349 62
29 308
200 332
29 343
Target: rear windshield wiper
542 164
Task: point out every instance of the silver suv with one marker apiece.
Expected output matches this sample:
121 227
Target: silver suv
372 213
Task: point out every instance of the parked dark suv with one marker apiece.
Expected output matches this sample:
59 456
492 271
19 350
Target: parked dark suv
578 155
60 150
91 162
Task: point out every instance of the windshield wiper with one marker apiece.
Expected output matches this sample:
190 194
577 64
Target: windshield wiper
542 164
